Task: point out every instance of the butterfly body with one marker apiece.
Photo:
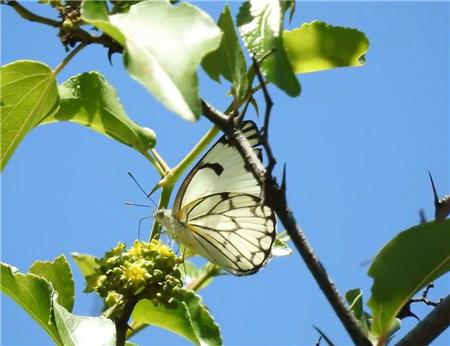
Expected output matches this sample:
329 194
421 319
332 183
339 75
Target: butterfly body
219 211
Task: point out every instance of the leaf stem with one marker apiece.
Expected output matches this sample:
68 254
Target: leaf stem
164 166
154 163
68 58
212 270
163 203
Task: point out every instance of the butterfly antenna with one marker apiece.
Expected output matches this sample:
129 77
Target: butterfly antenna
137 205
140 188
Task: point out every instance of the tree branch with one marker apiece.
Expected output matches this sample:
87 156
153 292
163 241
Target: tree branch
76 35
436 322
32 17
276 199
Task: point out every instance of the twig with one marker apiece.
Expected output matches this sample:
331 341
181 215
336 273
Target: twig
436 322
76 35
32 17
122 322
276 199
265 129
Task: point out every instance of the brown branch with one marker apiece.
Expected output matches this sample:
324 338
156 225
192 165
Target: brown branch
32 17
436 322
76 35
276 199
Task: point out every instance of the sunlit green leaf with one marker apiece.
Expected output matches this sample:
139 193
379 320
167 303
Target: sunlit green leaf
406 264
83 330
318 46
198 278
354 299
260 24
160 52
58 273
191 319
86 263
228 60
96 14
33 294
88 99
28 94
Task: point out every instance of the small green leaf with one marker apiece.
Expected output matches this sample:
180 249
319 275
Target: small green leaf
33 294
355 300
280 246
88 99
96 14
191 319
82 330
228 60
58 273
198 278
260 24
160 52
28 94
409 262
86 263
318 46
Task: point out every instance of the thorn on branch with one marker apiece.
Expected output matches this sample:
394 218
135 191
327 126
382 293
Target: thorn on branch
442 206
406 309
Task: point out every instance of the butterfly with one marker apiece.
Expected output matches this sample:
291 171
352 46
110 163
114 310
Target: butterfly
219 211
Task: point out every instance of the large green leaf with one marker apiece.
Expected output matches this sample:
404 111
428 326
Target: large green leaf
83 330
33 294
409 262
260 24
58 273
28 94
88 99
164 46
228 60
318 46
191 319
86 263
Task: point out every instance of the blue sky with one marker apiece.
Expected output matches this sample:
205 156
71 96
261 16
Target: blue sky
358 143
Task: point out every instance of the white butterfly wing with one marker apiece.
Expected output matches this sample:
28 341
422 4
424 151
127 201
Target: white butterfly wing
233 230
222 169
220 204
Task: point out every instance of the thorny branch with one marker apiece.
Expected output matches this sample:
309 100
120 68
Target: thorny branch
436 322
276 199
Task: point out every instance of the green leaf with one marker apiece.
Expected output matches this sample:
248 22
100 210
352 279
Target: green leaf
354 299
228 60
96 14
198 278
86 263
58 273
260 24
33 294
406 264
82 330
88 99
28 94
160 52
280 246
317 46
191 319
